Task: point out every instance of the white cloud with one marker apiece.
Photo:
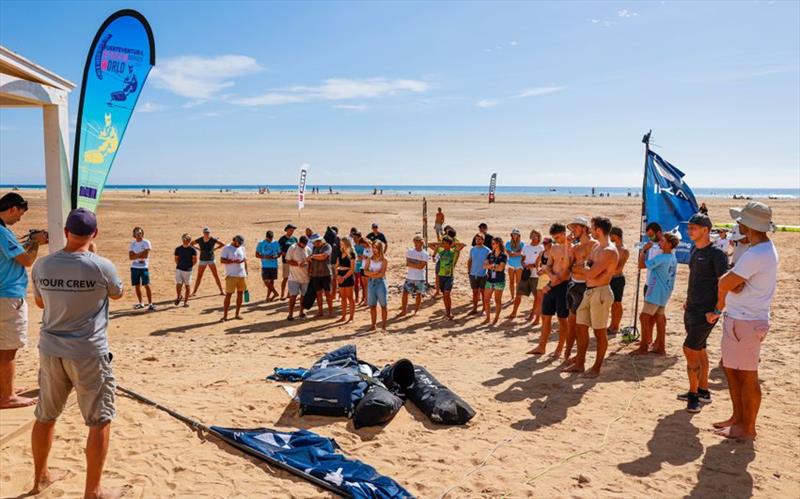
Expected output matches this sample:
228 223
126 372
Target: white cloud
513 43
149 107
200 78
335 89
626 13
595 21
536 91
351 107
486 103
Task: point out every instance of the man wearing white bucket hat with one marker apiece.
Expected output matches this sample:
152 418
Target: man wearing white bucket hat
745 293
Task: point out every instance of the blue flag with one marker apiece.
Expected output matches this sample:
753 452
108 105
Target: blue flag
311 455
669 201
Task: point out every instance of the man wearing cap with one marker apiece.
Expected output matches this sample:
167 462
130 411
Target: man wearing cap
14 257
297 260
745 294
268 252
487 238
320 271
207 245
285 242
416 262
722 242
234 257
377 235
706 265
582 245
73 286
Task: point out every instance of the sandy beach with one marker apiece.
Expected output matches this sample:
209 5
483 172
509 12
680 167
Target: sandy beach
538 432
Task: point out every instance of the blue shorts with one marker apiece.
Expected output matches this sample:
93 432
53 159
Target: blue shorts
445 282
414 287
140 276
377 292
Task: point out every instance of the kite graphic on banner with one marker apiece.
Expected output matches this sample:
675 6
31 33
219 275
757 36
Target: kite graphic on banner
119 61
301 187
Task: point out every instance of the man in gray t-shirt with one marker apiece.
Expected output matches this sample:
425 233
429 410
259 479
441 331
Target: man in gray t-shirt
73 286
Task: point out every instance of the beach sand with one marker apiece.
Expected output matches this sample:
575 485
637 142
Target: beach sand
537 433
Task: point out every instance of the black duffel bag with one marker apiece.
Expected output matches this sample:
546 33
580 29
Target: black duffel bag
398 377
437 401
377 407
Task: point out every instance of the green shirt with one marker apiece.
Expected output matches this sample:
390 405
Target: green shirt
447 260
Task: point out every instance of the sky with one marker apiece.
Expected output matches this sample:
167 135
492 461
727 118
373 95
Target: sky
439 93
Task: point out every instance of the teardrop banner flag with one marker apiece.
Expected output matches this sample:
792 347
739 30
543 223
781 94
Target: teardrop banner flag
301 188
492 187
120 58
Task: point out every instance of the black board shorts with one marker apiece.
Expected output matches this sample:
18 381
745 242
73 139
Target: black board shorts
321 283
555 301
575 292
617 287
269 274
697 329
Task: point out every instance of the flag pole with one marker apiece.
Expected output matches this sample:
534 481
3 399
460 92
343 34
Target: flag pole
646 142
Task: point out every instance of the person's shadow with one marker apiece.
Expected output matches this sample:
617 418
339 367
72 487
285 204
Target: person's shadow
724 471
674 441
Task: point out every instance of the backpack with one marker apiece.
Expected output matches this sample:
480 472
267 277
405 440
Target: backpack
331 391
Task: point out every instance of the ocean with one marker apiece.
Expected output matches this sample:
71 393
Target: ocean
431 190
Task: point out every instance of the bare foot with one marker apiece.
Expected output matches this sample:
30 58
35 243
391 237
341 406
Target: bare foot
341 319
494 322
639 351
194 294
238 317
115 493
538 351
724 424
556 354
472 312
591 373
486 321
535 322
401 314
15 401
574 368
568 361
658 351
372 329
512 316
49 478
735 431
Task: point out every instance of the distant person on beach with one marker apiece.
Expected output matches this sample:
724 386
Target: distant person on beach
185 260
544 280
377 291
529 277
14 257
554 302
285 242
308 232
703 209
663 269
332 237
297 260
447 255
268 251
234 257
595 306
582 245
346 277
706 265
438 224
74 286
495 266
416 263
360 245
487 238
514 266
139 255
207 245
377 235
477 272
320 272
618 281
745 294
723 243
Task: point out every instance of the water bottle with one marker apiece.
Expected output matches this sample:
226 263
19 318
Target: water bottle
247 296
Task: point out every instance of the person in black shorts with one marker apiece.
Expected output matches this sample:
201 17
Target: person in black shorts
345 277
554 301
618 281
320 272
706 265
207 245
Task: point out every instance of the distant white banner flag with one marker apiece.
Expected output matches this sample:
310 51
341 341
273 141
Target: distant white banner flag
301 188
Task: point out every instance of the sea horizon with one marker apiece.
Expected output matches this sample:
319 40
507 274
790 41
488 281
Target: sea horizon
555 190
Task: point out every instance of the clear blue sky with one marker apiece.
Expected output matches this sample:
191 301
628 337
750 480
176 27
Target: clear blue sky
436 93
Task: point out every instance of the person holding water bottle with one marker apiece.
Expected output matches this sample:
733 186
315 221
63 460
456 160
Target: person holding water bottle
234 258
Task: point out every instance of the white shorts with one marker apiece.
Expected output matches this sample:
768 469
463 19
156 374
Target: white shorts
13 323
183 277
297 288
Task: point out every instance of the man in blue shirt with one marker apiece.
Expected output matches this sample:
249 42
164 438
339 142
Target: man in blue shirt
660 281
477 274
269 251
14 257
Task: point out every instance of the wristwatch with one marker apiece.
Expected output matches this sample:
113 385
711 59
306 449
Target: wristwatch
717 311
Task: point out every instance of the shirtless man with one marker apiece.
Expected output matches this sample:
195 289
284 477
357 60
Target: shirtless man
554 301
438 224
618 281
579 231
596 303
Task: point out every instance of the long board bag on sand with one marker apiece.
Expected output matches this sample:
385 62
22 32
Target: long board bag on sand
302 453
310 297
437 401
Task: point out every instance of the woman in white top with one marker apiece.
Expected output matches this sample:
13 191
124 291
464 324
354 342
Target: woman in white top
377 291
